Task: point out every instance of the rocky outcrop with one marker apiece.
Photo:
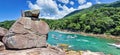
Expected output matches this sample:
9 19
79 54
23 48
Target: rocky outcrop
34 51
83 53
2 46
92 53
27 33
31 13
3 31
28 36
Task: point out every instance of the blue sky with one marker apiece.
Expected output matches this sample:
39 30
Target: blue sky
51 9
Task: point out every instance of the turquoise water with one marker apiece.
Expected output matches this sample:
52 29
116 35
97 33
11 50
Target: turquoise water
80 42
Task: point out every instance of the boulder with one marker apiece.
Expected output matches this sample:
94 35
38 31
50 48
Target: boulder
31 13
26 33
71 52
34 51
3 31
92 53
2 47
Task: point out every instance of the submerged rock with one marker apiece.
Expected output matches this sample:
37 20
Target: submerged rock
26 33
63 46
3 31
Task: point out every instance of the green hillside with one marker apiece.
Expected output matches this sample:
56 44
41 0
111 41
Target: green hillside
7 24
98 19
114 4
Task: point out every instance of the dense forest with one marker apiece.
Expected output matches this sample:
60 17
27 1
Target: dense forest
98 19
7 24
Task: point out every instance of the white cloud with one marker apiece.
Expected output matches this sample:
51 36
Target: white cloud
50 9
71 2
33 6
64 1
81 1
60 6
88 4
47 7
98 2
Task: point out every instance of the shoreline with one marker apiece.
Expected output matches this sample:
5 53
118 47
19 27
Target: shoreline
117 38
69 52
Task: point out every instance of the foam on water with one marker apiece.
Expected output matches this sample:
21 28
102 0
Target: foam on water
70 46
83 40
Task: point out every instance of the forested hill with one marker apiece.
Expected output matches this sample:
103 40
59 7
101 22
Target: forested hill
7 24
114 4
98 19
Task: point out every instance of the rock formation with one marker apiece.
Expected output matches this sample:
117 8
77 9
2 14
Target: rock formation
83 53
34 51
2 47
3 31
28 36
31 13
27 33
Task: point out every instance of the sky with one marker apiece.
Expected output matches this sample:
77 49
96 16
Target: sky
49 9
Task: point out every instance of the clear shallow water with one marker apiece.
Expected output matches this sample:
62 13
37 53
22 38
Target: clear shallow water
79 42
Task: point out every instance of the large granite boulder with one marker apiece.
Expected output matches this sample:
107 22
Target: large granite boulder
26 33
2 46
3 31
34 51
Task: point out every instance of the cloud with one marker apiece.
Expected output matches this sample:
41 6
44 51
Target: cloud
33 6
88 4
98 2
64 1
51 10
48 8
71 2
81 1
